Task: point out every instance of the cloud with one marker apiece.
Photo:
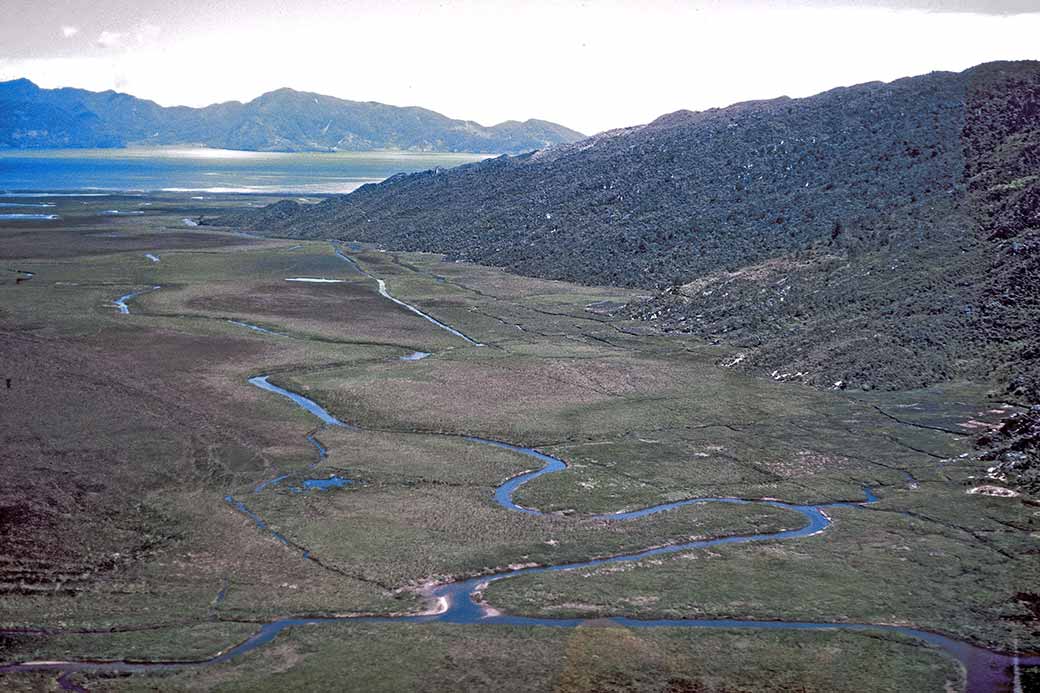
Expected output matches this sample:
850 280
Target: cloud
69 31
142 35
146 33
990 7
109 39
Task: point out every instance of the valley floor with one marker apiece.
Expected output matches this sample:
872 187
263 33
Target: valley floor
157 507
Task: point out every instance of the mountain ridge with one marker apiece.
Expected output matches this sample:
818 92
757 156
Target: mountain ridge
280 120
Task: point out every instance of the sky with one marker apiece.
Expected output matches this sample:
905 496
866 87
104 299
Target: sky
591 66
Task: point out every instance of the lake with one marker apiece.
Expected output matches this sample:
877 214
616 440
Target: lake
184 169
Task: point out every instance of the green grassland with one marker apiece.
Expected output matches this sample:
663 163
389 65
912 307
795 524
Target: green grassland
594 657
959 572
123 434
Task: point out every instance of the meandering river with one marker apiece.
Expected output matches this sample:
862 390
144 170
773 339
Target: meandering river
459 603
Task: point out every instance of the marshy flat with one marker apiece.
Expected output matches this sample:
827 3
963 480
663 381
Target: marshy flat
575 483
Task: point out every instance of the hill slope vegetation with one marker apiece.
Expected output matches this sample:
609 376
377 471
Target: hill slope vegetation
882 235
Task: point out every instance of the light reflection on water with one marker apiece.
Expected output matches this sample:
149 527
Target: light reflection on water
180 169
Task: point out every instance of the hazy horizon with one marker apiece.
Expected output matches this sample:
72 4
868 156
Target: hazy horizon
590 67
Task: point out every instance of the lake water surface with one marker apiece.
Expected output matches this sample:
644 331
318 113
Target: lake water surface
208 170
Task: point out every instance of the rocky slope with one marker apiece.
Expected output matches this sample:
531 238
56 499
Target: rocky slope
1015 447
883 235
282 120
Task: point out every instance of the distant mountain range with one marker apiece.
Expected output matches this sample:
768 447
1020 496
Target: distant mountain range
282 120
876 236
